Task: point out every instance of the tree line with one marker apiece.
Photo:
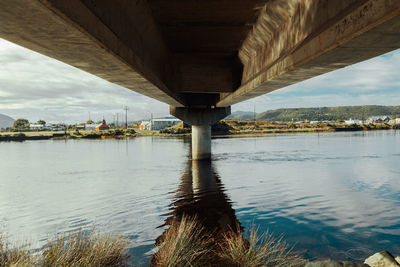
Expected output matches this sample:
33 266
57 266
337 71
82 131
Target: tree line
320 114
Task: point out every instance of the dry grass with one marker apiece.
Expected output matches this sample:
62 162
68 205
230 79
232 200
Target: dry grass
184 245
73 250
12 256
92 250
263 250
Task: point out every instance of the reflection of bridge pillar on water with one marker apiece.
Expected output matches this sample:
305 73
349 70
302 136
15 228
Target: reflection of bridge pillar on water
201 195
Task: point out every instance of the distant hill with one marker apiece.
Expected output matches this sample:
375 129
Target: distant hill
321 114
6 121
241 116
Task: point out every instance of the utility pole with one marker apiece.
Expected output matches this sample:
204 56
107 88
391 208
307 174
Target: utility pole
254 113
151 121
126 117
117 120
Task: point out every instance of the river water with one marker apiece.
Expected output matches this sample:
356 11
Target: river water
333 195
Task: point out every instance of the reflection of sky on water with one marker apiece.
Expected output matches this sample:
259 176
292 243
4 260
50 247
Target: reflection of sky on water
331 194
335 195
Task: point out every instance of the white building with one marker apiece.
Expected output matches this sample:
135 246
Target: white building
36 127
158 124
397 120
91 126
55 127
351 121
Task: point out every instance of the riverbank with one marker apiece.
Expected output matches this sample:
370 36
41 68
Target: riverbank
261 127
54 135
221 128
185 243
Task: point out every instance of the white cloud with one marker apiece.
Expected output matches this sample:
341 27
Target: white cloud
372 82
38 87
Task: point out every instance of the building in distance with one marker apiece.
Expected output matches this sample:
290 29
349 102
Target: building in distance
102 126
353 121
158 124
379 119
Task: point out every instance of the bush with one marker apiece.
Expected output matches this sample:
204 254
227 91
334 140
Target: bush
184 245
259 250
19 135
74 250
11 256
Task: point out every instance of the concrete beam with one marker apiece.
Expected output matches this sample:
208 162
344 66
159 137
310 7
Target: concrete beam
296 40
204 75
200 116
115 40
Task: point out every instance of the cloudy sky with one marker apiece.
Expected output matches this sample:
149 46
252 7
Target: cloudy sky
36 87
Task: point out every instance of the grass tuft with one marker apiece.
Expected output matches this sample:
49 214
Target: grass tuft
260 250
73 250
187 243
12 256
184 245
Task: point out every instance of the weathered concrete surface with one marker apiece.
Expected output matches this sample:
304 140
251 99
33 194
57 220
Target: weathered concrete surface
204 54
196 116
201 142
296 40
70 32
382 259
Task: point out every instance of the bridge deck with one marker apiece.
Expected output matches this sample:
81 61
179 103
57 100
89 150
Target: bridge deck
204 53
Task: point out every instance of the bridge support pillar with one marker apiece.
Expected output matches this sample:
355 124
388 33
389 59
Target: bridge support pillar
201 142
201 120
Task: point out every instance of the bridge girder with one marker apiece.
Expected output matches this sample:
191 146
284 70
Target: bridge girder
207 54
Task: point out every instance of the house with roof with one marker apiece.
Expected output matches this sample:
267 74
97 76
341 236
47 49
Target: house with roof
102 126
379 119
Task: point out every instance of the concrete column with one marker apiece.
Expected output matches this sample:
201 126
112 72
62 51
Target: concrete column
201 142
201 121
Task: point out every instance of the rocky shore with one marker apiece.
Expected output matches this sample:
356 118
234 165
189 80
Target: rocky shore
380 259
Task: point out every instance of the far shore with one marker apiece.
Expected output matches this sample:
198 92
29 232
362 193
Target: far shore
257 128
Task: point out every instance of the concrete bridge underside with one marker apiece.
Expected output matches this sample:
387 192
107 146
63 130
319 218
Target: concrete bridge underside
200 57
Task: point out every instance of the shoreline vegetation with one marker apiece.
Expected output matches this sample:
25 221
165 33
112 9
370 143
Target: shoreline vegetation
221 128
186 244
75 249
